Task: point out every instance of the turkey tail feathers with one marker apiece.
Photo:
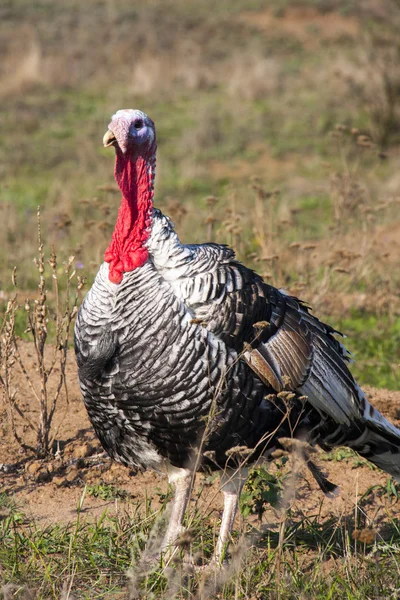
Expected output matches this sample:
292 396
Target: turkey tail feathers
380 442
333 391
303 351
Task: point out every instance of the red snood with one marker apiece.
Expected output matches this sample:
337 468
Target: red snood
126 251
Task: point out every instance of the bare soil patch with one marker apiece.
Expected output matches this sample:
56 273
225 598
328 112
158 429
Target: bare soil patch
305 24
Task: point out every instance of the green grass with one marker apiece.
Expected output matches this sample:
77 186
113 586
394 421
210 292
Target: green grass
374 341
101 559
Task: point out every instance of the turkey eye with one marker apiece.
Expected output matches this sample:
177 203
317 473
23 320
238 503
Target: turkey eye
138 124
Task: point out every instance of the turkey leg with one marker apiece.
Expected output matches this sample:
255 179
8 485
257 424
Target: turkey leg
231 500
232 482
181 479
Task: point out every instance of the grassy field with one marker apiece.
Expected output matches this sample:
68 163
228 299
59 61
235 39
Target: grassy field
298 99
279 133
307 557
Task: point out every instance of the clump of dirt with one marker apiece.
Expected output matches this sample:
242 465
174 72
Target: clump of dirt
386 401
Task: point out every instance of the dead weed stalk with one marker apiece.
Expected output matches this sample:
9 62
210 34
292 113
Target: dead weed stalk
48 318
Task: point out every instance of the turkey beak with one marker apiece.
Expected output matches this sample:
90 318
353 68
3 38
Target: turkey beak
109 139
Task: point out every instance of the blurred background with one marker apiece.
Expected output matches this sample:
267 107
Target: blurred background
278 131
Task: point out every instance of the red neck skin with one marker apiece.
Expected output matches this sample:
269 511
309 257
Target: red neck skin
127 250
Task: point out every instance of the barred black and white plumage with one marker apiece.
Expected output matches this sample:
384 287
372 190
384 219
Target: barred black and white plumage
191 332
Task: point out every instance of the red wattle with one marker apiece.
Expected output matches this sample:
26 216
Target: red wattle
126 251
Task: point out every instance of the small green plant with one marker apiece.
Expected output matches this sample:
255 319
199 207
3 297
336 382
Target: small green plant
262 489
339 454
164 496
106 491
392 490
347 455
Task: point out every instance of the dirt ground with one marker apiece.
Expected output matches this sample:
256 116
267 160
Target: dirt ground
49 491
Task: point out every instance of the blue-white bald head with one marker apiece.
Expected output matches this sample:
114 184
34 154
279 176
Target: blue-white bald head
132 133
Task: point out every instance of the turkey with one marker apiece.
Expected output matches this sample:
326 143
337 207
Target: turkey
186 356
